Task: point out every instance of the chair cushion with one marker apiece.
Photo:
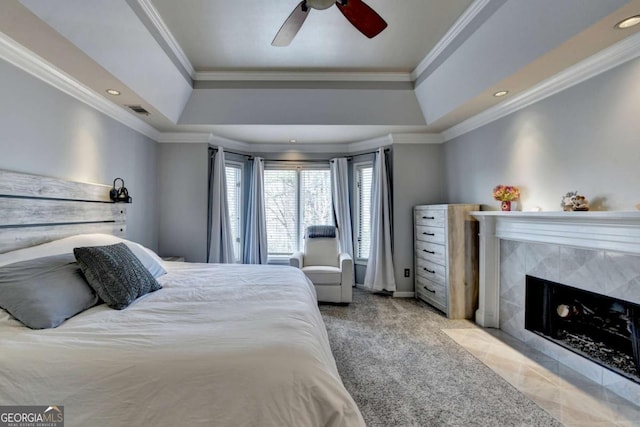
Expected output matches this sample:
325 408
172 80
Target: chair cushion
322 275
321 251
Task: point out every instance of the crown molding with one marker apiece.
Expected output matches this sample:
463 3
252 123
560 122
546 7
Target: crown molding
353 147
16 54
152 13
370 144
417 138
298 148
617 54
231 144
349 148
329 76
461 23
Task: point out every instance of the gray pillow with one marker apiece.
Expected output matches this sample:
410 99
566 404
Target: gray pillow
44 292
115 273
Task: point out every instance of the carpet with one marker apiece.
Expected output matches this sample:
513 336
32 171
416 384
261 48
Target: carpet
402 370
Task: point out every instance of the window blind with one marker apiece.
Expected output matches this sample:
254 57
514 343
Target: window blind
280 197
234 196
365 178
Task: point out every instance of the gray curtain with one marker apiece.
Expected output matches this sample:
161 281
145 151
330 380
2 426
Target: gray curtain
380 274
255 236
341 206
220 237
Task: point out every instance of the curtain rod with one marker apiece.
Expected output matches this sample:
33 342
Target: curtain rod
251 157
322 160
231 152
297 161
370 152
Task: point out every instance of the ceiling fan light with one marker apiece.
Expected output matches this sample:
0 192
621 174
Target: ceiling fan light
358 13
320 4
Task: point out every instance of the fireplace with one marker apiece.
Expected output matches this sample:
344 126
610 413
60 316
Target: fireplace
603 329
596 252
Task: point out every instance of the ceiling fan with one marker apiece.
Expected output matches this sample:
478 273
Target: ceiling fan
365 19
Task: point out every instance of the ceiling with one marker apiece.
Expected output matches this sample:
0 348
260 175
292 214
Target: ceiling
220 35
206 67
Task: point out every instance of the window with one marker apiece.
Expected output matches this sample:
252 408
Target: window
363 177
315 199
280 189
234 197
294 198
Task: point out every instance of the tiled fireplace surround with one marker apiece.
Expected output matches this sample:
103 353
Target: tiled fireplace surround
594 251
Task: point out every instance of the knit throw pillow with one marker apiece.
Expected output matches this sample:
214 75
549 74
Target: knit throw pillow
115 273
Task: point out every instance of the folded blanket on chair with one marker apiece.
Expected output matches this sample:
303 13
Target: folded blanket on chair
316 231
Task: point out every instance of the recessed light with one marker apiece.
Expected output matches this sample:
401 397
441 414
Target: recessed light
629 22
113 92
293 140
500 93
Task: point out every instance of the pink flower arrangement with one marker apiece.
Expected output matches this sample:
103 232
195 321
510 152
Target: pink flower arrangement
506 193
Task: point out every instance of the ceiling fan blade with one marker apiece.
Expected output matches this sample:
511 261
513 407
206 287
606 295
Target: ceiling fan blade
291 26
365 19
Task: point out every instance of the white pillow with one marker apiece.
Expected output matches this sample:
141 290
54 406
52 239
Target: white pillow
149 259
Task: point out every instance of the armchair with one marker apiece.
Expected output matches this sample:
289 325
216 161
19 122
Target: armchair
321 261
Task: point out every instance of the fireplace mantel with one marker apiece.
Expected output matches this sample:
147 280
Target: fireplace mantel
614 231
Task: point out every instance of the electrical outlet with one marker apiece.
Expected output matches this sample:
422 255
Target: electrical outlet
407 272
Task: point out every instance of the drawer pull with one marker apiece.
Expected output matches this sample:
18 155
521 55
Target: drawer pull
429 271
428 217
433 292
429 252
428 234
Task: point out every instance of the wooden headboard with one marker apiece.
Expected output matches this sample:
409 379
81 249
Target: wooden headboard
36 209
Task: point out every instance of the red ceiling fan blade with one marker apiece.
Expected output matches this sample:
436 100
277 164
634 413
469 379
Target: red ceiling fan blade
291 26
365 19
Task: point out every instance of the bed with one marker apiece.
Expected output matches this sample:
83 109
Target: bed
223 345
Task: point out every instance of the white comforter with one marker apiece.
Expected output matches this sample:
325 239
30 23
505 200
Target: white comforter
219 345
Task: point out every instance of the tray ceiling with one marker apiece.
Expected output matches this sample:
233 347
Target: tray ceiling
207 66
236 35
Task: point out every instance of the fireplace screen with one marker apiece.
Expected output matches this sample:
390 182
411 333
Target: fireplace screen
603 329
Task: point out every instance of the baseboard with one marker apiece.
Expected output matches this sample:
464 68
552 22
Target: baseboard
397 294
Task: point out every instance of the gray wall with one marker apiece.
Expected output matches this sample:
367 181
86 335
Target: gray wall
46 132
586 138
182 185
417 179
182 182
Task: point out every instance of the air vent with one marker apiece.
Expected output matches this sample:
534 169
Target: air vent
138 109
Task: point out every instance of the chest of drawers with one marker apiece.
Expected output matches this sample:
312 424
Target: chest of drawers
446 258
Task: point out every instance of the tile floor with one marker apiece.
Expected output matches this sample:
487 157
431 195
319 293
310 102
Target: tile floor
570 397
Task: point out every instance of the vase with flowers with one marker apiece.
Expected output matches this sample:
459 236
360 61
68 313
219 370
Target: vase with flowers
506 194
